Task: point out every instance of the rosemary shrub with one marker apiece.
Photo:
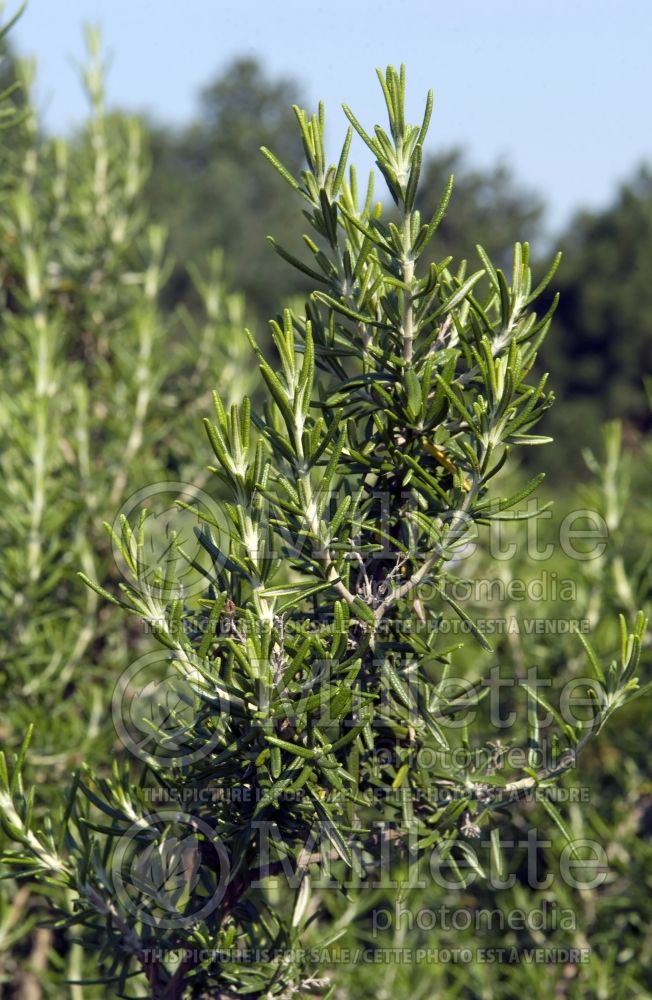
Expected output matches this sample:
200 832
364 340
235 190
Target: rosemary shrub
96 387
310 667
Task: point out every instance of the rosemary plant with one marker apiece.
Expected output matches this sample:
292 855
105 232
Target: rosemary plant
310 670
94 376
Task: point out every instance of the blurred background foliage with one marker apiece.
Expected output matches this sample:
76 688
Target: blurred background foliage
213 188
132 255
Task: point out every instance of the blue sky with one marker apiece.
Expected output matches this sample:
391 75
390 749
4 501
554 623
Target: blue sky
558 89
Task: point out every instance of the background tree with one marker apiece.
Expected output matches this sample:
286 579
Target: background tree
602 346
215 189
490 206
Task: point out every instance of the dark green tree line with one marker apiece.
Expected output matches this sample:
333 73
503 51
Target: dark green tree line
602 348
214 189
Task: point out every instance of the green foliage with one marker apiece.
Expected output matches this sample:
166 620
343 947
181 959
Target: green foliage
610 807
10 93
211 185
214 161
94 377
311 665
603 348
487 202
